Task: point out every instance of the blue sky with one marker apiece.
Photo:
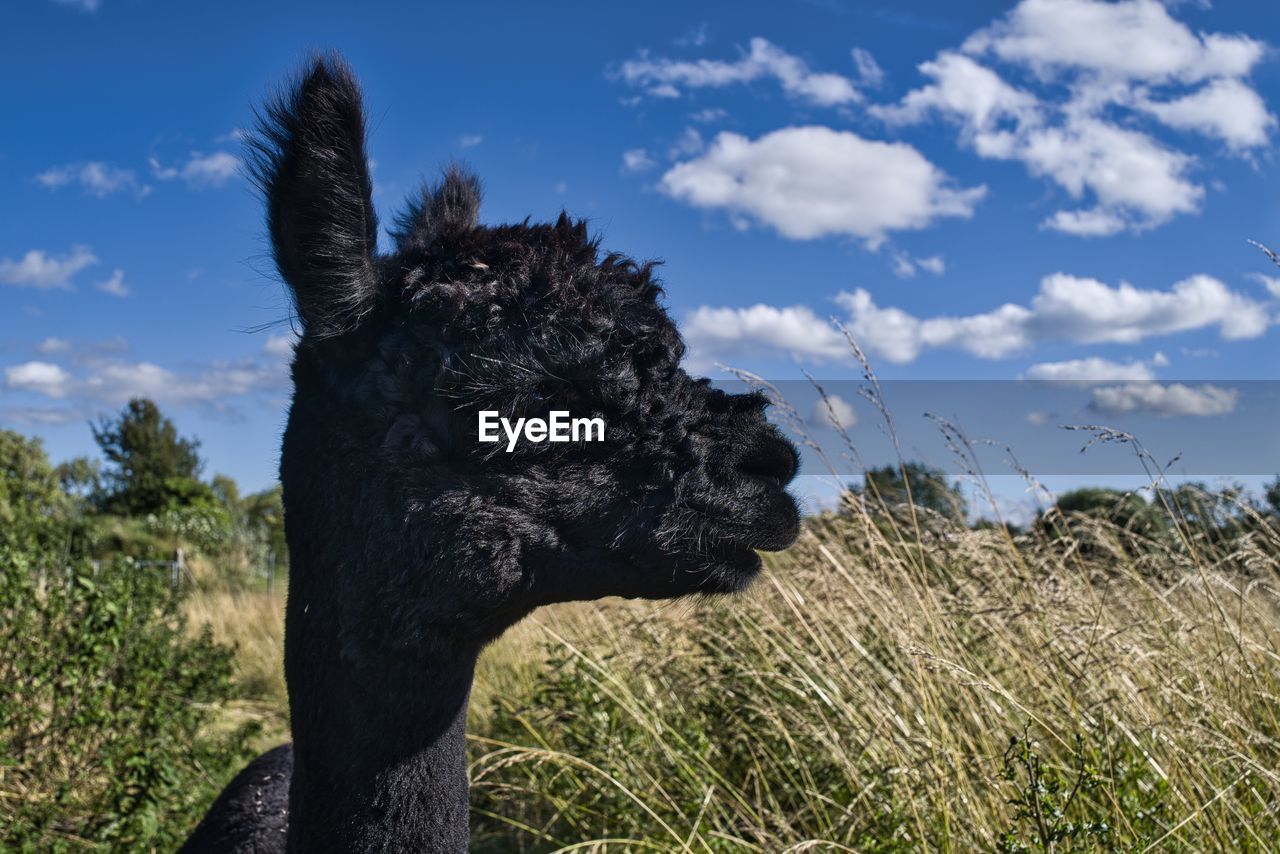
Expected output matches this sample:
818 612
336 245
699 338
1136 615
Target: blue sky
1051 189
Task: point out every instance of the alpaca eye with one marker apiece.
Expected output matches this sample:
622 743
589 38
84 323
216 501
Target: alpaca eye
540 392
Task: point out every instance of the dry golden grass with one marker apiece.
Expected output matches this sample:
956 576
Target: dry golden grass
893 682
865 695
253 622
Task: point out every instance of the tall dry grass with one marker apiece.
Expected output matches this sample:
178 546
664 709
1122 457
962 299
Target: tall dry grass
865 697
896 681
893 682
251 621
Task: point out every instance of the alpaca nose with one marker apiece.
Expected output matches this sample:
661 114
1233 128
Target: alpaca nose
772 460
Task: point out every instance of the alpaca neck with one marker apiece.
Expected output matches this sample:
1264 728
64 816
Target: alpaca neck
380 755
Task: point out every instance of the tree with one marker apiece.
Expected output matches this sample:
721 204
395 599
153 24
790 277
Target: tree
33 508
929 488
1126 510
1273 496
153 468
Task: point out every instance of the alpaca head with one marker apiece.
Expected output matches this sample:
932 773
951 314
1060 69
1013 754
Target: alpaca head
401 351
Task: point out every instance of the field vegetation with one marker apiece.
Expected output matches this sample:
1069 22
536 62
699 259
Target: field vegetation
1104 678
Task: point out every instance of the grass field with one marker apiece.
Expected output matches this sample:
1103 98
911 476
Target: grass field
892 682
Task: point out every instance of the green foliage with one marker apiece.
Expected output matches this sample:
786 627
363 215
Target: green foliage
1272 496
152 466
104 699
918 484
1065 808
256 521
731 744
81 479
33 508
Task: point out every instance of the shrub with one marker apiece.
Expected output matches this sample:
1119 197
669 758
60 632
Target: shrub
104 703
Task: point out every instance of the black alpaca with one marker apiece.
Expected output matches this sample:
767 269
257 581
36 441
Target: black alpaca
413 545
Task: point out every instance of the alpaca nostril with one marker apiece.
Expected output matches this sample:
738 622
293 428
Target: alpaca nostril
773 461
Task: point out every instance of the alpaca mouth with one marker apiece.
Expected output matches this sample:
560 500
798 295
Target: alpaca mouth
732 545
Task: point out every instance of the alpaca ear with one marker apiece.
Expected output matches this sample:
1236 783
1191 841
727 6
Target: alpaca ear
450 207
309 161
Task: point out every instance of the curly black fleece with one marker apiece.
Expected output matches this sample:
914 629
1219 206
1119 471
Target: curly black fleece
411 543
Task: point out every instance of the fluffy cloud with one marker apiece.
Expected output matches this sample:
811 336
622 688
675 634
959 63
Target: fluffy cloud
664 78
1089 311
834 411
43 378
200 170
1088 371
40 270
114 285
1227 109
1066 308
1102 63
1271 283
95 374
51 346
809 182
729 332
94 177
113 382
904 266
637 160
1164 400
279 346
1128 40
870 74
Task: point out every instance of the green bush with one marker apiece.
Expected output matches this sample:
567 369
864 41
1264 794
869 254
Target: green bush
105 704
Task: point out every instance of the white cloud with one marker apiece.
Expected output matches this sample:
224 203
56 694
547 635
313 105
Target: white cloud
729 332
94 177
40 270
1066 308
904 266
870 74
1271 283
52 346
1137 182
1097 65
200 170
82 5
470 140
809 182
43 378
637 160
663 78
111 381
962 88
1128 40
1088 371
695 36
689 143
1089 311
42 416
935 264
1165 400
279 346
834 411
114 285
1039 417
1227 109
708 115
